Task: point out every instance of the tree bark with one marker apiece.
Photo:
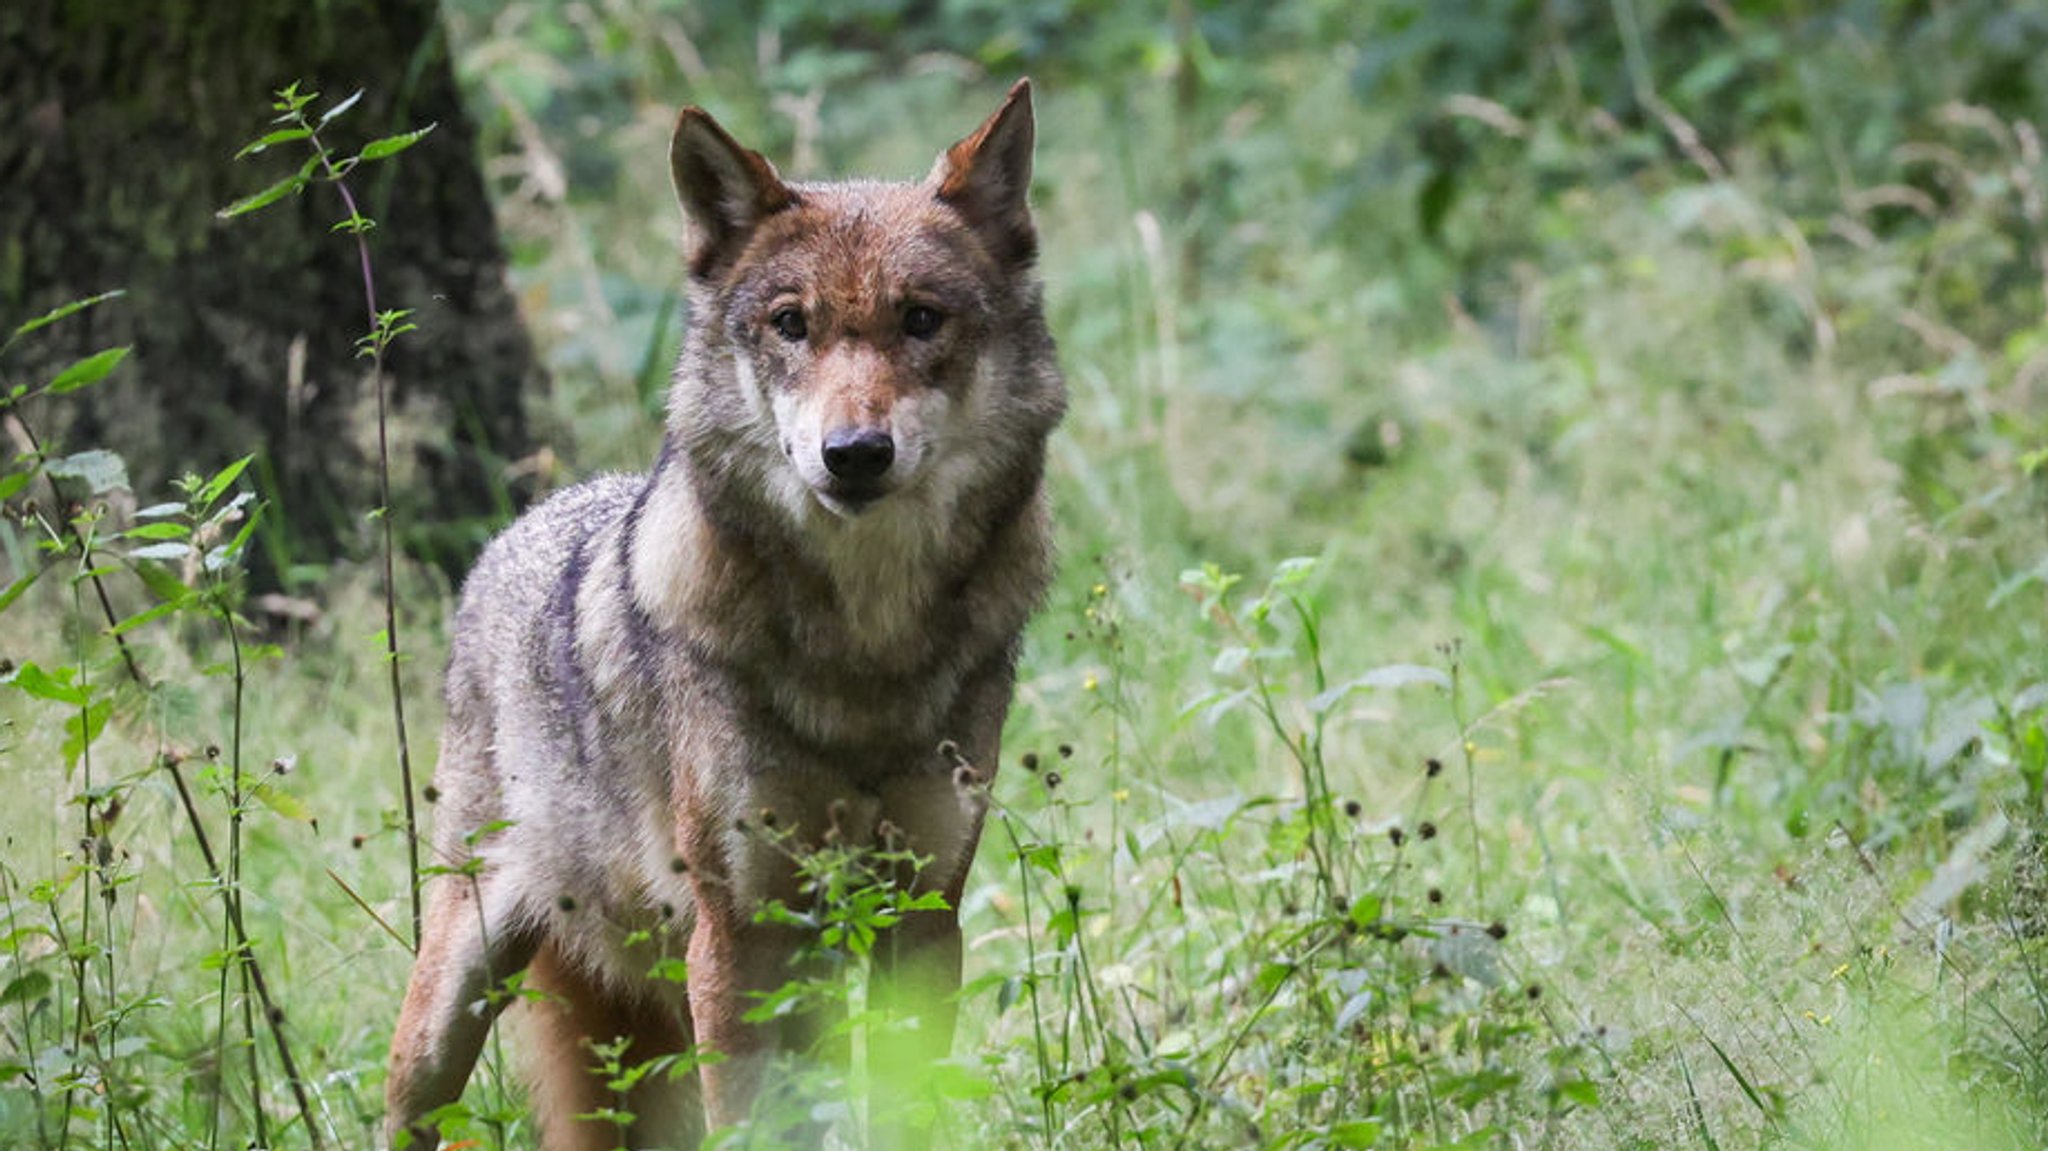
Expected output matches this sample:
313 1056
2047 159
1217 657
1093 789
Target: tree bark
119 123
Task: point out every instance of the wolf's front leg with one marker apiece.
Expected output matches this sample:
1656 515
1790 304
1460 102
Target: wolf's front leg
734 964
474 940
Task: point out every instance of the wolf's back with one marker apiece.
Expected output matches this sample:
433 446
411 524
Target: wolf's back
514 628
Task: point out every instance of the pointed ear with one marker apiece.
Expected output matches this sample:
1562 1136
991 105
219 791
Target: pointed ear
987 177
725 190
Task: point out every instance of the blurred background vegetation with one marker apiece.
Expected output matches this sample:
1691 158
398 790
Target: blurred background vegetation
1661 388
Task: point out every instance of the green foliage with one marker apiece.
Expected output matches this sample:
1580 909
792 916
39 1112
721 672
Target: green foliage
1651 755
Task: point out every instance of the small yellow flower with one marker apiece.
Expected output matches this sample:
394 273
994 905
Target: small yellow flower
1120 794
1099 590
1471 748
1090 683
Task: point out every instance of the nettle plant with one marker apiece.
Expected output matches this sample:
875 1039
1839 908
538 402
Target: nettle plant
75 1031
75 1028
1261 970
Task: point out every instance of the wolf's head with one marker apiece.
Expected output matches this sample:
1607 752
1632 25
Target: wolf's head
859 344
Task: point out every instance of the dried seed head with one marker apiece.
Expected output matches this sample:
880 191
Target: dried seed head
356 841
213 751
1352 808
1427 830
677 865
1497 929
1030 761
1066 751
1396 836
565 902
1433 767
430 793
1534 991
1436 895
668 911
768 818
1052 780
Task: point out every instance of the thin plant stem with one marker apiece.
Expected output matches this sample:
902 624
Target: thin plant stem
379 338
234 887
8 886
247 955
1031 966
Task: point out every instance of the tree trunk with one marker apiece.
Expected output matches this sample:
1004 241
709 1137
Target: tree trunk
119 122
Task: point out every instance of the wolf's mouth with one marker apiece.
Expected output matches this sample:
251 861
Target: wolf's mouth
849 500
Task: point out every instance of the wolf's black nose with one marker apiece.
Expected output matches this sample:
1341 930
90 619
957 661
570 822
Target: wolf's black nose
859 455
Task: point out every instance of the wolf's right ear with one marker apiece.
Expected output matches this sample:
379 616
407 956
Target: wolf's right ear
725 190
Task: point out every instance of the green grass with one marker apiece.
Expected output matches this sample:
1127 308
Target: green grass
1691 525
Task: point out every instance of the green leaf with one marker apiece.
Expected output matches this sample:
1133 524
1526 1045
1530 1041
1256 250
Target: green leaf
1294 572
1043 856
281 136
57 688
83 728
145 616
1355 1134
1582 1092
1271 976
25 988
344 105
221 479
173 550
290 99
157 531
14 590
231 551
58 313
160 581
88 371
284 803
393 145
1392 675
12 483
268 196
100 470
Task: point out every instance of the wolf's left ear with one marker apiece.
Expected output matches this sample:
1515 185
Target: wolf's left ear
987 177
725 190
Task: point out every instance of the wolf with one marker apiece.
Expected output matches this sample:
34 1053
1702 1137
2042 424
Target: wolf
801 627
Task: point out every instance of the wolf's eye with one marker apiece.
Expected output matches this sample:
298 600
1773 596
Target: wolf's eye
920 322
789 324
